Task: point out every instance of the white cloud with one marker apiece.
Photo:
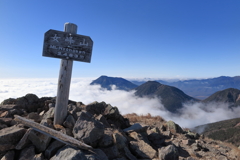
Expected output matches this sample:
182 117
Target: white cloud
127 102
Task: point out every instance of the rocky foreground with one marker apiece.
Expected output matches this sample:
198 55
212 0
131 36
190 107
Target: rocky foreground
100 126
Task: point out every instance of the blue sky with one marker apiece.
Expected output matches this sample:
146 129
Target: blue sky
132 38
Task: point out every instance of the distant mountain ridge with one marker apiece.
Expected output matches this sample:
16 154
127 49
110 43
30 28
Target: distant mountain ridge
227 130
230 95
120 83
202 88
171 97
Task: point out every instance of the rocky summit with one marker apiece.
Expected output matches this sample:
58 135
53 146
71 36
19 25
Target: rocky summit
100 126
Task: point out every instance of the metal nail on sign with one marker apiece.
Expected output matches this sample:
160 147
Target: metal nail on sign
68 46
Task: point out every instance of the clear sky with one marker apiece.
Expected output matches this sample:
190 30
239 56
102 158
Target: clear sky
132 38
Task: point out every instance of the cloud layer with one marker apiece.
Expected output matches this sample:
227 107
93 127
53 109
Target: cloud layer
127 102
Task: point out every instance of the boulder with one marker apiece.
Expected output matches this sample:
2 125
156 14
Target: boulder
168 153
142 150
103 120
48 117
156 139
111 152
173 127
88 129
73 109
192 135
10 136
97 108
9 155
24 140
110 113
27 153
134 127
10 101
53 148
39 140
28 102
115 119
6 121
69 153
119 140
128 154
34 116
69 122
107 139
95 154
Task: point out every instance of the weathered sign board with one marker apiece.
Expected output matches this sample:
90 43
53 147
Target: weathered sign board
67 46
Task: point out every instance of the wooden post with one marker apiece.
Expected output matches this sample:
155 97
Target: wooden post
64 81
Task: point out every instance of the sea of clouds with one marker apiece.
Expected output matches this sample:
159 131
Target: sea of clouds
191 114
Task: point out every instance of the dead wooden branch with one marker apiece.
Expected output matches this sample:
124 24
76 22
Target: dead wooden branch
53 133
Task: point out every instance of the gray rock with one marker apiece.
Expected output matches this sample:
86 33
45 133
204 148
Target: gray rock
24 140
39 140
134 127
88 129
34 116
9 155
103 120
173 127
27 153
53 148
47 118
15 112
139 136
10 136
107 139
6 121
96 154
156 139
168 153
69 153
192 135
97 108
142 150
28 102
69 122
110 113
111 152
119 140
128 154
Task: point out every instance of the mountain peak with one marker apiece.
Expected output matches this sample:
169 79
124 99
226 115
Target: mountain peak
230 95
171 97
108 82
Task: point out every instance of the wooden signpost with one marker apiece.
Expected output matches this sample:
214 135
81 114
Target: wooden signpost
68 46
